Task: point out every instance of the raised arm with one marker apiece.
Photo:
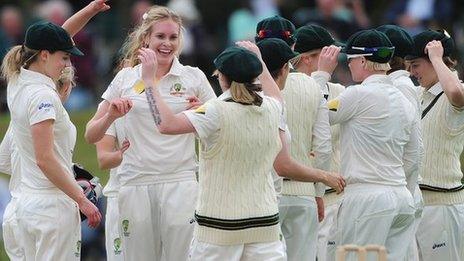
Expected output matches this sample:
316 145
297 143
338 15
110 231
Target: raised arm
450 82
76 22
166 121
268 84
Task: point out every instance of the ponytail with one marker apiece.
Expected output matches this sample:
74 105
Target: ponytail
245 93
17 57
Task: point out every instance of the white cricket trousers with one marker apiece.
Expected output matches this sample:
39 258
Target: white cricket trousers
270 251
440 235
299 224
156 220
112 238
374 214
413 252
11 238
324 230
49 226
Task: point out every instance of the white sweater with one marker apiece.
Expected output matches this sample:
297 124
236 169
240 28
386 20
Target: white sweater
237 202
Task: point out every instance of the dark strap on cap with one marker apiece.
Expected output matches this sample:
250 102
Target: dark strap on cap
429 107
438 189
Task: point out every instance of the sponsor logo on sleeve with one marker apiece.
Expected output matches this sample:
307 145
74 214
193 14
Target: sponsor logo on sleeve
45 106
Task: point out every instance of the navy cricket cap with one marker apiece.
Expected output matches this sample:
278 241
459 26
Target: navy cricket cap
372 44
422 39
238 64
312 37
400 38
48 36
275 27
275 53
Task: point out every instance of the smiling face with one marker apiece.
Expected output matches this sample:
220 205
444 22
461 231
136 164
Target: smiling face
164 39
422 70
54 63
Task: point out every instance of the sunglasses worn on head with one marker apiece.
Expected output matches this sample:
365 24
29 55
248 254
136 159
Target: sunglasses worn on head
274 34
382 52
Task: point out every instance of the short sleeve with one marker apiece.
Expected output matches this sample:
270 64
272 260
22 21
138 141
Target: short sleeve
454 118
282 112
205 120
111 131
43 106
205 91
5 152
115 88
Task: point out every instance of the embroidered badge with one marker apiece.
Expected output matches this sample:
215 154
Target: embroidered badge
125 227
117 246
333 104
78 248
139 87
177 90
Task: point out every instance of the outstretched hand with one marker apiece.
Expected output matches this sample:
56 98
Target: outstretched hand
335 181
99 6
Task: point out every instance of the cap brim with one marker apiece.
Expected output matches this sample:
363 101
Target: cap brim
75 51
339 44
412 57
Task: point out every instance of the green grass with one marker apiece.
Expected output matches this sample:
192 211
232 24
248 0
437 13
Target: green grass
84 153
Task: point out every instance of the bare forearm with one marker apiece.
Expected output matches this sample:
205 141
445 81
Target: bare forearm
165 119
268 84
296 171
76 22
109 160
58 176
95 129
450 83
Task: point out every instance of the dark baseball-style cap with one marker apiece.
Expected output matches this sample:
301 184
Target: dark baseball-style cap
400 38
275 27
422 39
372 44
312 37
238 64
48 36
275 53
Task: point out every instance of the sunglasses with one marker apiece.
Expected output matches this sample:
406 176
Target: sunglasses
382 52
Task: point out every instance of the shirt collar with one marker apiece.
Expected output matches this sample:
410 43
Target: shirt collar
176 67
398 74
435 89
225 95
37 78
377 78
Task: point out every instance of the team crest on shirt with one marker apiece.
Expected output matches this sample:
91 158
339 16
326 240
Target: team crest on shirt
78 248
125 227
139 87
177 90
333 104
117 246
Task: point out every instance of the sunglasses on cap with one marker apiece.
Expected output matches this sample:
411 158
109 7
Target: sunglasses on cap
382 52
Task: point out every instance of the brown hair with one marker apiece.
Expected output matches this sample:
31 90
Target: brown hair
397 63
18 56
138 36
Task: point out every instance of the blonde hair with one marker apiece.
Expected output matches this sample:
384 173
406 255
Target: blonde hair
139 35
67 76
374 66
18 56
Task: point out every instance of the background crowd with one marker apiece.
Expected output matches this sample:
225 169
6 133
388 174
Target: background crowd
210 26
